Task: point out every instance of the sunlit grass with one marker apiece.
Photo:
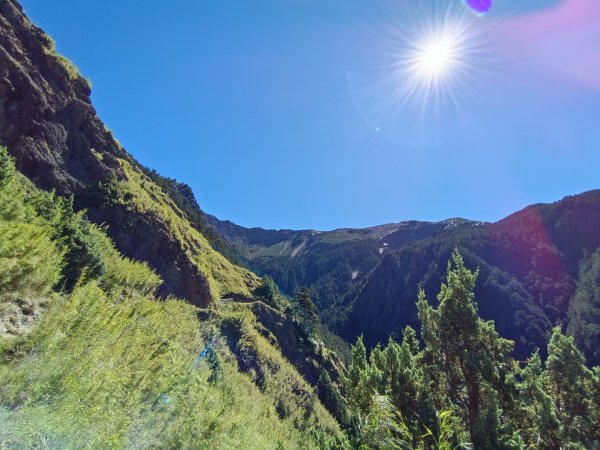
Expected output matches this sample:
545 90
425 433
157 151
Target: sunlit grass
223 276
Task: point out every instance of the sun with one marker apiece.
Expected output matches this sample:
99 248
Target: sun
436 57
416 73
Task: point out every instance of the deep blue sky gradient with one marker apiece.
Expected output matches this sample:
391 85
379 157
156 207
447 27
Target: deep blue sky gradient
249 102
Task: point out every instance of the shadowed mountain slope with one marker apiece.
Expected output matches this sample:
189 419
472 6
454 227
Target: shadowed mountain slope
365 281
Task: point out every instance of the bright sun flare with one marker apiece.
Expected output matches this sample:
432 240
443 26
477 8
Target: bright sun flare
437 57
422 70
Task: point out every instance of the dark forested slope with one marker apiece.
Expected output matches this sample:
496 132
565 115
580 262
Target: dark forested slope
365 281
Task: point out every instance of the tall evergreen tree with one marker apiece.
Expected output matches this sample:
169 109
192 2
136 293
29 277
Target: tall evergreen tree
571 385
358 392
584 312
538 416
11 197
25 240
7 168
306 311
404 378
463 386
467 352
269 292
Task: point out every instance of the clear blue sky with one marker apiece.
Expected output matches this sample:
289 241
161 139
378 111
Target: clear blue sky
289 113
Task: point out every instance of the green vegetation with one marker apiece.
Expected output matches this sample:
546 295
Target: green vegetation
269 293
462 389
71 69
139 192
254 348
529 271
185 200
306 311
584 325
100 363
90 358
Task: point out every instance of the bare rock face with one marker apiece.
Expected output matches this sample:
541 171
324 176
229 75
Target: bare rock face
49 125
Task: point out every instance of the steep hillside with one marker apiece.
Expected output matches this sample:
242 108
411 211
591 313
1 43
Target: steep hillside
90 358
95 347
51 128
529 265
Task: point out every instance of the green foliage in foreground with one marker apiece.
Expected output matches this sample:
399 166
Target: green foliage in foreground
109 366
102 372
463 389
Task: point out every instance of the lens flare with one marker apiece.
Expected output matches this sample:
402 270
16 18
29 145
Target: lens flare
421 67
480 6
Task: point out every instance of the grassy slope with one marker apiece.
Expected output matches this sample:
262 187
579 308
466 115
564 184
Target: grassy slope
253 346
223 276
105 367
101 371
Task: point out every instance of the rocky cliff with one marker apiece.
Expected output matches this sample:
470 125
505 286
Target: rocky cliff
52 130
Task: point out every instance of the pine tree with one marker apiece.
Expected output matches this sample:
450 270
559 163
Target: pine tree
268 292
584 312
571 385
7 168
468 352
83 256
464 386
30 261
214 364
404 377
11 197
538 416
358 393
306 311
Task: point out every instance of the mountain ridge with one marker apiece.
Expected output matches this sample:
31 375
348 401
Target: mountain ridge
530 259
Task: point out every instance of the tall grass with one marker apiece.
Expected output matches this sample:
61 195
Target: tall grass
107 365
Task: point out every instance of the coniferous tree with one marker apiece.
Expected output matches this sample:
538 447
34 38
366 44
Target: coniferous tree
269 292
7 168
538 416
472 353
83 256
306 311
214 364
353 382
571 385
25 240
404 377
463 386
584 312
11 197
